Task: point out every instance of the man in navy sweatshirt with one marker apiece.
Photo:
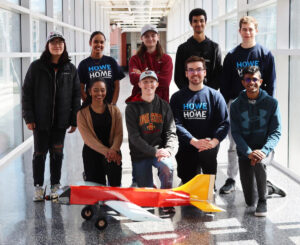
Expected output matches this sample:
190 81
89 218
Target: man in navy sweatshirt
199 45
255 127
201 120
248 53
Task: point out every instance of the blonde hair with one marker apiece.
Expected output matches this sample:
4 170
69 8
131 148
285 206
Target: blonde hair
248 19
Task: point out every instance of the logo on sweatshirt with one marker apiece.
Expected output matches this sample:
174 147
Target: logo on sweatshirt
149 120
103 71
195 110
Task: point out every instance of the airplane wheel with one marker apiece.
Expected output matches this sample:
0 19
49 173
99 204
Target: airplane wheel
87 212
101 223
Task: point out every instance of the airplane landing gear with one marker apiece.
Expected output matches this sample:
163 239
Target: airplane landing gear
101 223
87 212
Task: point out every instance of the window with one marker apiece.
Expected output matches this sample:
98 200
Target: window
38 6
215 33
231 33
230 5
10 106
70 39
266 18
38 35
215 9
294 112
57 9
295 22
10 40
14 1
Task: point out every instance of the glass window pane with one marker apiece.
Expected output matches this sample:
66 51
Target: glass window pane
70 39
266 18
38 35
14 1
57 9
10 106
295 22
231 33
230 5
10 33
215 9
70 9
38 6
294 112
215 33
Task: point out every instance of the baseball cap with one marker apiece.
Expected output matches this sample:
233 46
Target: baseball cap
148 27
148 73
55 34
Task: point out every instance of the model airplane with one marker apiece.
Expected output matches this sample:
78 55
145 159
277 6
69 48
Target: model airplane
129 201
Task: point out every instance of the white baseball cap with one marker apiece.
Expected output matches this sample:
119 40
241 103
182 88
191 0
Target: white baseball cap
148 73
148 27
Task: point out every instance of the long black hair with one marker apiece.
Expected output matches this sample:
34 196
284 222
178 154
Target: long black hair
46 55
88 100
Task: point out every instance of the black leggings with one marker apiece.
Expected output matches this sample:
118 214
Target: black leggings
96 168
48 140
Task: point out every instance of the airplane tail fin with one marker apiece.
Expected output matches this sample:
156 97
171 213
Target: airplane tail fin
200 189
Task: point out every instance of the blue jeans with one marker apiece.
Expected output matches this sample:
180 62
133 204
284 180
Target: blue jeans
142 171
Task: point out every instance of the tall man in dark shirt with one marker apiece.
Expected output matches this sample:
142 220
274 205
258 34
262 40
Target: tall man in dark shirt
202 46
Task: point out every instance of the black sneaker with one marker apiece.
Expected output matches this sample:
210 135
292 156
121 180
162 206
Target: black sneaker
261 209
273 189
228 187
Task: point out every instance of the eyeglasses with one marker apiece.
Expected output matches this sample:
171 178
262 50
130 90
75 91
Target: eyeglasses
198 70
248 79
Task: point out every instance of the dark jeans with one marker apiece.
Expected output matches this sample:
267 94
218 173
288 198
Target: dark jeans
48 140
96 168
191 162
253 180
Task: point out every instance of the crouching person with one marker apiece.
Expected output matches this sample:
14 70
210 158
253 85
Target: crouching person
151 133
255 124
100 125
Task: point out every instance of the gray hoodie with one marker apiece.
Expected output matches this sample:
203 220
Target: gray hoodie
150 127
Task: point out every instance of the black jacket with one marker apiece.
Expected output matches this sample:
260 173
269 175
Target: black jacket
49 99
207 49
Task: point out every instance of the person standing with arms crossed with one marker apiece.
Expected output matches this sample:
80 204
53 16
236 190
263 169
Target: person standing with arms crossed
150 56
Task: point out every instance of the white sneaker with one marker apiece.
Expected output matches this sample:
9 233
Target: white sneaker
38 194
54 189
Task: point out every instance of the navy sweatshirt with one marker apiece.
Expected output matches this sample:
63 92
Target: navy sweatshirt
255 124
239 58
206 49
199 114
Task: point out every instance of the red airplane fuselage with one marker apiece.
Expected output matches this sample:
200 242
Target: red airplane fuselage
144 197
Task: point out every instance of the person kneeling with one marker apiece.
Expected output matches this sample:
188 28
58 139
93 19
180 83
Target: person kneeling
151 133
256 130
100 125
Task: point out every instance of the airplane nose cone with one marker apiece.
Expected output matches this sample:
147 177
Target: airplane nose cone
64 195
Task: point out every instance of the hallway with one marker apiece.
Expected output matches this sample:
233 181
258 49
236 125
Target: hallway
24 222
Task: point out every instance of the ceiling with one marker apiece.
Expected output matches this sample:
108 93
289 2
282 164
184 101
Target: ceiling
131 15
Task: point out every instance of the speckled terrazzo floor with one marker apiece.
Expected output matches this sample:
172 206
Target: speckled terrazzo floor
24 222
